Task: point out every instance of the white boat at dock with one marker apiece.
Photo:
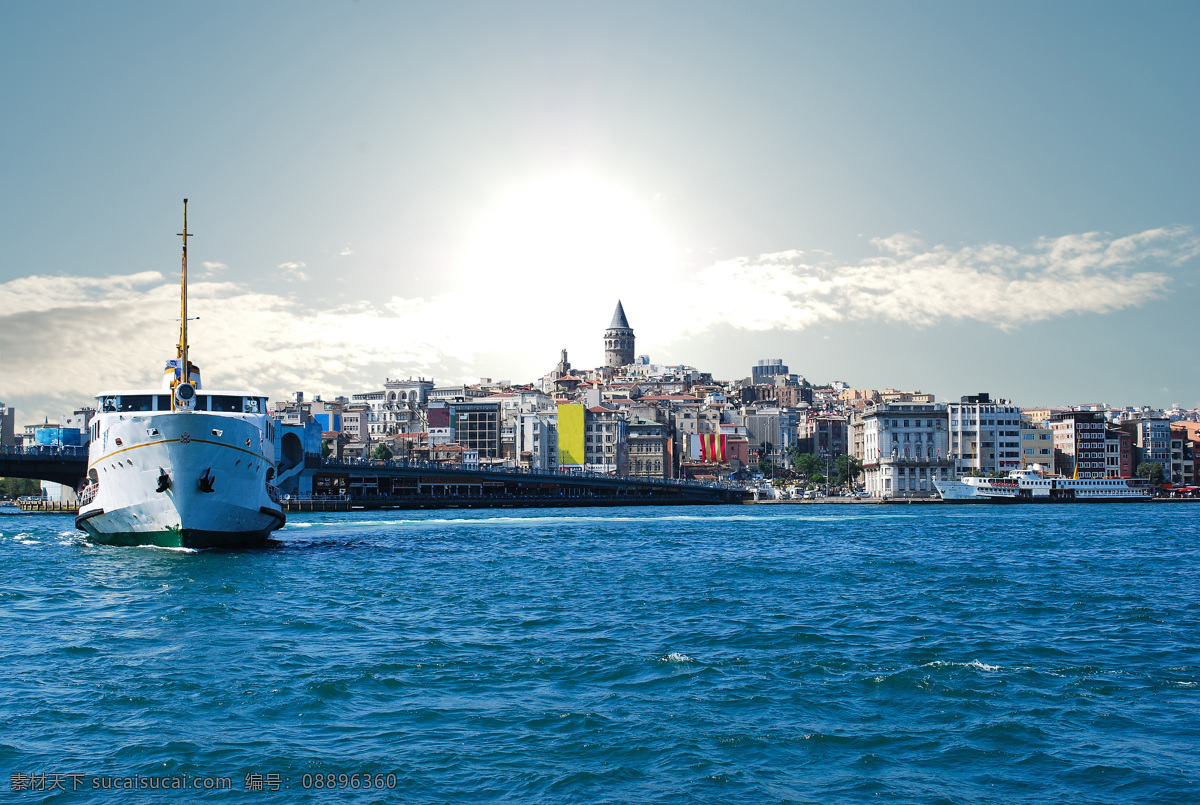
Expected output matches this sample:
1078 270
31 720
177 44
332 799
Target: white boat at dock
1036 485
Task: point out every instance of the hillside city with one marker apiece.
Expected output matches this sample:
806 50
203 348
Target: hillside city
632 417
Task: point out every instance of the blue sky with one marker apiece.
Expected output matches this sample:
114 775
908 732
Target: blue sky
953 197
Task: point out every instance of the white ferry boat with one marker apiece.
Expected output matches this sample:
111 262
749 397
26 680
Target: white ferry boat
179 466
1035 485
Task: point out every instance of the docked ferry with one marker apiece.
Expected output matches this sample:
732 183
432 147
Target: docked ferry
180 466
1035 485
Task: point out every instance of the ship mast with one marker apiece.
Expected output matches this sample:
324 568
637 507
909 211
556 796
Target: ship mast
183 316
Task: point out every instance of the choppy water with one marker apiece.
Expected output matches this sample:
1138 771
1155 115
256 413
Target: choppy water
801 653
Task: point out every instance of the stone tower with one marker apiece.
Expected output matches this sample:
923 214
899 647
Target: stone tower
618 340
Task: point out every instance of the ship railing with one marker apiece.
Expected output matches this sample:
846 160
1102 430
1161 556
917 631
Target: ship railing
88 494
274 494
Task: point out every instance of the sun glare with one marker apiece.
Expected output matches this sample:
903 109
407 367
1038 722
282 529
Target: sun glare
567 239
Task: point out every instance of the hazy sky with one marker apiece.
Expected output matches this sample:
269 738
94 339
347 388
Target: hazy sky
956 197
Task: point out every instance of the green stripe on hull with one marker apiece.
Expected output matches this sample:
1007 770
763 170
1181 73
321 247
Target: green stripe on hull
183 538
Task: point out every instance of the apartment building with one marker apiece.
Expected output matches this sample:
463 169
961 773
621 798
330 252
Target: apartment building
985 435
1079 443
1037 443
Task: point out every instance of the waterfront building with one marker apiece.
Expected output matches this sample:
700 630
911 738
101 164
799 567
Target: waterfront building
1183 468
1118 453
693 420
396 408
536 440
618 340
356 421
1037 443
513 404
604 432
476 426
766 430
1152 437
328 414
648 447
8 427
1079 444
985 435
1189 433
440 425
904 448
828 434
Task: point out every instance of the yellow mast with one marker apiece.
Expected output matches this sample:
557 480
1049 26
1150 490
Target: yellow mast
184 374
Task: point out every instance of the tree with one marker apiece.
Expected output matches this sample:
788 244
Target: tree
808 464
1151 470
325 448
847 468
16 487
381 452
764 466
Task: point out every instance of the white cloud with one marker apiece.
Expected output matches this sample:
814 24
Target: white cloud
346 252
65 338
211 269
915 284
292 271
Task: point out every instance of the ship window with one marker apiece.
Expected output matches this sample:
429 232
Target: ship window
135 402
228 405
252 405
162 402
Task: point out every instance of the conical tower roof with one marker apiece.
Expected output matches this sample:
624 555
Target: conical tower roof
619 322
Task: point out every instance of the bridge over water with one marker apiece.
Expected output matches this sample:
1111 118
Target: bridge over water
60 465
337 484
402 484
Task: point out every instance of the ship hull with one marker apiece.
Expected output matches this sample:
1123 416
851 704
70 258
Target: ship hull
957 492
217 493
194 538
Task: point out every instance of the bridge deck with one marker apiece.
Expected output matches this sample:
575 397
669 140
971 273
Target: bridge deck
408 484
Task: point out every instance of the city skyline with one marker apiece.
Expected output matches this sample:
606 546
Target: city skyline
895 195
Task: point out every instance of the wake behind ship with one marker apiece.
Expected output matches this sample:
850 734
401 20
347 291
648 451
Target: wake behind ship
180 467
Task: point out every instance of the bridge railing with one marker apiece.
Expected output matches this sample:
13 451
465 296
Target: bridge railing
582 475
44 451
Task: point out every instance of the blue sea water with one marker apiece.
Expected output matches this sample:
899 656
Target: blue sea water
926 654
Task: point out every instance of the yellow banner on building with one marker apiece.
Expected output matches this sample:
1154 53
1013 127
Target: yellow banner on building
570 435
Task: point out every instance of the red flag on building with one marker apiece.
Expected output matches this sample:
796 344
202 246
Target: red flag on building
712 448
